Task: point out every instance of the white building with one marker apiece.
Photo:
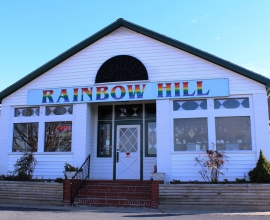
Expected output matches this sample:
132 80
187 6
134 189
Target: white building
154 99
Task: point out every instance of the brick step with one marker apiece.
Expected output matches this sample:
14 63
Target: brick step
126 193
116 188
123 195
112 202
119 182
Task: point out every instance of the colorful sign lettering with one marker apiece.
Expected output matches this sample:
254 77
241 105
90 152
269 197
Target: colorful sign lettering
131 92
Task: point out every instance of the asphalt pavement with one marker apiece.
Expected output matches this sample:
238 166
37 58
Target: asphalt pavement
34 212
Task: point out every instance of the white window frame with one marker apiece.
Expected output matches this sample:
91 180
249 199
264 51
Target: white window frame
41 120
211 114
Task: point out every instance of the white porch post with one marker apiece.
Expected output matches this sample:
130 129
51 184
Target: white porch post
6 138
81 133
163 138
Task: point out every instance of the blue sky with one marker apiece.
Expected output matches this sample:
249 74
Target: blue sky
32 32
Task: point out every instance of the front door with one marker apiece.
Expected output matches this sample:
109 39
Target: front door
128 152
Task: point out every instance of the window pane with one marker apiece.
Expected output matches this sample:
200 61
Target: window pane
151 138
190 105
104 112
58 136
128 140
59 110
190 134
26 112
231 103
150 110
128 112
25 137
233 133
104 135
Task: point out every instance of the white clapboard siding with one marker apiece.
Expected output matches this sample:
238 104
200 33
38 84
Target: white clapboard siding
5 145
49 165
163 62
237 166
80 142
261 124
148 167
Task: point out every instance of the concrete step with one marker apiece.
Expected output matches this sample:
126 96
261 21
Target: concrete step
48 198
52 196
4 182
210 203
214 208
27 189
30 202
40 193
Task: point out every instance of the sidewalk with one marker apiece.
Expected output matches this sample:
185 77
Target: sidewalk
189 210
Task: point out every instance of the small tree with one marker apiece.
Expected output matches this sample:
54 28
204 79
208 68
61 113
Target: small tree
25 166
261 173
212 163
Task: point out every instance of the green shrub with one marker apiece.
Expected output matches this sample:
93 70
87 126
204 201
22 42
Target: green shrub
261 173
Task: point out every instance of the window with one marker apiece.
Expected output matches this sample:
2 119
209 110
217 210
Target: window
220 124
128 112
233 133
150 111
29 123
59 110
27 112
105 113
190 134
151 138
183 105
25 137
58 136
104 143
235 103
150 130
104 139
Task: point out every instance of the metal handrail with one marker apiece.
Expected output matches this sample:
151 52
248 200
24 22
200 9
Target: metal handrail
82 174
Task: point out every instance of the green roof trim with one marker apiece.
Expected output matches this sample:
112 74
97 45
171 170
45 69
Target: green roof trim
149 33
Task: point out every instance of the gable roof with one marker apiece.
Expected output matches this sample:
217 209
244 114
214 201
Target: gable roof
149 33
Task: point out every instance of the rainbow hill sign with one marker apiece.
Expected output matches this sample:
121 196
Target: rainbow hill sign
133 91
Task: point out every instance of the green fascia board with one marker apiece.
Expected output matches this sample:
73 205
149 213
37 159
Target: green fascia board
149 33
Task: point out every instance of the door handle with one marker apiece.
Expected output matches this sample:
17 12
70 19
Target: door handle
117 156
